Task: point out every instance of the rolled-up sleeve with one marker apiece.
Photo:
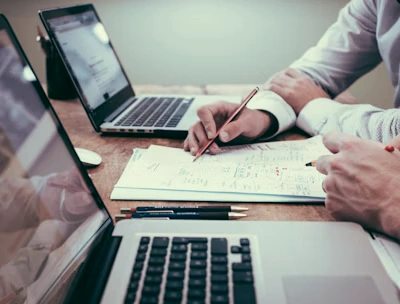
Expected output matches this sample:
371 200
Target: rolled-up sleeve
323 115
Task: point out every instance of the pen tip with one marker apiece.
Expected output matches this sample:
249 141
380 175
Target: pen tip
236 208
235 215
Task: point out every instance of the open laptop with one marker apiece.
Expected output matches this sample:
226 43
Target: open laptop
59 243
104 88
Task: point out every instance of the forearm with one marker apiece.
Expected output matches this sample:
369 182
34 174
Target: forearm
365 121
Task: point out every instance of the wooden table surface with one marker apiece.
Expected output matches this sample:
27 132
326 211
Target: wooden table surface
116 151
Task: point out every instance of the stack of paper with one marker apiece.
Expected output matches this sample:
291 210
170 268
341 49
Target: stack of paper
261 172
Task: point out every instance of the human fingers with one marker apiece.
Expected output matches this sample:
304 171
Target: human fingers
186 144
207 115
395 142
323 164
336 141
202 139
192 143
293 73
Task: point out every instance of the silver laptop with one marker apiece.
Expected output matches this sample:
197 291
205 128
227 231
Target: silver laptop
103 86
59 244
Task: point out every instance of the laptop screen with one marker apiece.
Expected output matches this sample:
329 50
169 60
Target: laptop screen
88 52
49 210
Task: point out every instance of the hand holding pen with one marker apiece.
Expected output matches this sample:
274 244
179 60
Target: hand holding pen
247 125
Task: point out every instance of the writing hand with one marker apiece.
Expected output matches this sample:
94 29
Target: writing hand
295 88
362 183
248 124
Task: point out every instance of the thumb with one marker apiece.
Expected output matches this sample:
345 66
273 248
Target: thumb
231 131
395 142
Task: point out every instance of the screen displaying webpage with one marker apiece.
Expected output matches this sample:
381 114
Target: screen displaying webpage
89 54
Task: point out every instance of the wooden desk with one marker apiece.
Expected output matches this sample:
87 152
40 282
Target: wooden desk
116 152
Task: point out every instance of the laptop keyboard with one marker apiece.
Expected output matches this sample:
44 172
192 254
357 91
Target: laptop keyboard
156 112
192 270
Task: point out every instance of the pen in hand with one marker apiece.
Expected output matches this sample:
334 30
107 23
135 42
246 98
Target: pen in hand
386 148
234 114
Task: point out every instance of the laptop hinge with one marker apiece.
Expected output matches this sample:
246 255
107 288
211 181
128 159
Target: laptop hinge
94 273
120 109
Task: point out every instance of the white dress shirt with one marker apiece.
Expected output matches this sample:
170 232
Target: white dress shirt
366 33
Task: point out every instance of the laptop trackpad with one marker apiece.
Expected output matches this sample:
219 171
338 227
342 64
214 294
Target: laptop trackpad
331 290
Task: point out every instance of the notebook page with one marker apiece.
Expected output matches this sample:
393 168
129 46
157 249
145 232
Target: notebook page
264 168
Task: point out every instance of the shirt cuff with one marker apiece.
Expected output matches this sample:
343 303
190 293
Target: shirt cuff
274 104
314 115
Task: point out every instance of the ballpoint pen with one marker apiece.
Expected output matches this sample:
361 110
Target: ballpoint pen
158 209
183 216
234 114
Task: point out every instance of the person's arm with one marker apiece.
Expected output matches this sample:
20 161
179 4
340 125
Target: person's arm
346 51
323 115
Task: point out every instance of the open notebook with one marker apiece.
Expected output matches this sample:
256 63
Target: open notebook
261 172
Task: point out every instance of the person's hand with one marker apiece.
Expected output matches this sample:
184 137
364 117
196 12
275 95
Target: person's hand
363 182
295 88
248 124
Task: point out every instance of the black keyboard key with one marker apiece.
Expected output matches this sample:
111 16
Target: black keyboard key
176 275
177 266
219 246
245 249
196 293
144 240
143 248
221 260
179 240
220 299
149 300
153 280
138 266
246 258
195 301
241 267
244 242
202 264
177 285
244 293
243 277
235 249
158 252
140 257
171 295
130 297
219 269
198 255
219 278
219 288
179 248
197 273
156 261
197 283
136 276
197 240
133 286
160 242
199 247
153 290
177 257
155 270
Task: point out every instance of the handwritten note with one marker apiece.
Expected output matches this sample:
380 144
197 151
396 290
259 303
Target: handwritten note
276 168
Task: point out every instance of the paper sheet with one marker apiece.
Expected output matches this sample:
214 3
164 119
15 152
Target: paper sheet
276 168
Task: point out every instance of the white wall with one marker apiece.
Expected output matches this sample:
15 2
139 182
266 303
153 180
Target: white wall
204 41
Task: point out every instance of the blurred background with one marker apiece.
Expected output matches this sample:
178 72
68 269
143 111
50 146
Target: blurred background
176 42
